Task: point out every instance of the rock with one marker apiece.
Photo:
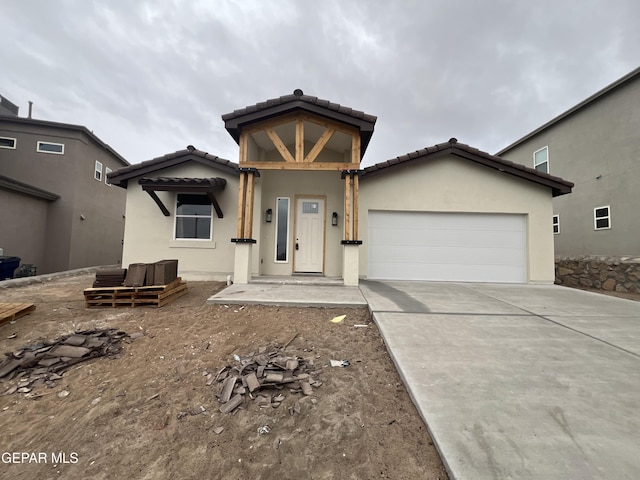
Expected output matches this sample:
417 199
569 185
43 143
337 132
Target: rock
609 284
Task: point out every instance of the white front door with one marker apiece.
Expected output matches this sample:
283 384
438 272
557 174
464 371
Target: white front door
309 235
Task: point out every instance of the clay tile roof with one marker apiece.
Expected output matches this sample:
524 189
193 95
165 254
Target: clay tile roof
121 176
236 120
558 185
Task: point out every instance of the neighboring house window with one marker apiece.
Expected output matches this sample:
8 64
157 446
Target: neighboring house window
107 171
6 142
541 160
47 147
556 224
193 216
97 174
602 218
282 230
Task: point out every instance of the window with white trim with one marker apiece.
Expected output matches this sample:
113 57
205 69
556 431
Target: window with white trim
8 142
282 230
97 173
556 224
193 217
48 147
107 171
602 218
541 160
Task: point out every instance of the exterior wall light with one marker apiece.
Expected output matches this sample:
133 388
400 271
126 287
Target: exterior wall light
268 215
334 219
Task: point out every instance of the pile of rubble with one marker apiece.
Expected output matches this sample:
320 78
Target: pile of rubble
264 378
43 363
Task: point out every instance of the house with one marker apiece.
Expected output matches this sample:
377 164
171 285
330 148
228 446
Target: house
298 201
58 210
596 144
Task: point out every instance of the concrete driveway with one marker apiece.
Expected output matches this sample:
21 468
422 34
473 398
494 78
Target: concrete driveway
518 381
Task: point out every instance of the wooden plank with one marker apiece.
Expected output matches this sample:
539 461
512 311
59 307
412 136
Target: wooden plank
156 199
110 290
279 144
216 205
347 207
12 311
355 151
244 151
340 127
241 199
354 221
322 141
271 123
248 209
302 166
136 299
299 140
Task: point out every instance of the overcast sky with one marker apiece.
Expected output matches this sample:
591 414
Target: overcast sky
150 77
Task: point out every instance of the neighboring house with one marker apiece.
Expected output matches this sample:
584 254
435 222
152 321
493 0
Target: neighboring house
58 210
298 202
595 144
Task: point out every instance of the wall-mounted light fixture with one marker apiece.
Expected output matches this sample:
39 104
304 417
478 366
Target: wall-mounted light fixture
334 219
268 215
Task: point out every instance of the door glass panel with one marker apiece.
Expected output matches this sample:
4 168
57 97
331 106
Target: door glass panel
282 229
309 207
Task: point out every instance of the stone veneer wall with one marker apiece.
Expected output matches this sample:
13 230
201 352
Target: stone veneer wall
620 274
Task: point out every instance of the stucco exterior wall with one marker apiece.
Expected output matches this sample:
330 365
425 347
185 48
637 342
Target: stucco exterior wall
450 184
293 184
149 235
70 243
23 221
598 149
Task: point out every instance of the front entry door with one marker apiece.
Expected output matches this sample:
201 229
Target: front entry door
309 239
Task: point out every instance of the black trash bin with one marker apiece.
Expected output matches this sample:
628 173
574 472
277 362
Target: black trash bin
8 266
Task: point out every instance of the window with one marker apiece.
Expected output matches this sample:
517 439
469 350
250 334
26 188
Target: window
556 224
6 142
107 171
193 216
46 147
602 218
541 160
97 174
282 230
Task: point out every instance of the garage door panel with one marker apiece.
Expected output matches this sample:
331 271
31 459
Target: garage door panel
447 246
448 273
442 255
448 237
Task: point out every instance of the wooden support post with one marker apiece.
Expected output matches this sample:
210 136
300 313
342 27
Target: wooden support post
355 149
248 208
347 207
299 140
241 203
355 206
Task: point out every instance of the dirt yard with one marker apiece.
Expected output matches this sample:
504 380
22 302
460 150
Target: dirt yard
120 418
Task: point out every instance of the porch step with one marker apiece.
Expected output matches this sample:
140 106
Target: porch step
298 280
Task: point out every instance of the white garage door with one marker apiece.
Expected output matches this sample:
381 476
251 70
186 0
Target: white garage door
465 247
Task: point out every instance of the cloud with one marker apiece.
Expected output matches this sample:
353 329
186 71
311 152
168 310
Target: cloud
151 77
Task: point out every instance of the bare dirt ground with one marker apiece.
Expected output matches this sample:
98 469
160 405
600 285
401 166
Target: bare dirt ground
120 419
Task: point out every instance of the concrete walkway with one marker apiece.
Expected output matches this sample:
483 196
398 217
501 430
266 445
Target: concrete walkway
301 295
518 381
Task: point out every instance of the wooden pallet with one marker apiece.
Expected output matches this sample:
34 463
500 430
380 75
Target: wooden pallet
13 311
151 296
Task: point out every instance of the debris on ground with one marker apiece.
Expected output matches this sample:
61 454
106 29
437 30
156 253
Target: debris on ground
339 363
264 378
44 362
